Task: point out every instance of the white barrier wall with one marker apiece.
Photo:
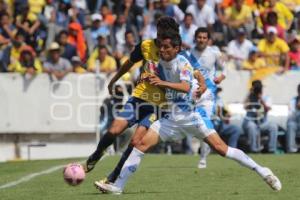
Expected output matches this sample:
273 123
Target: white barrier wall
42 105
281 88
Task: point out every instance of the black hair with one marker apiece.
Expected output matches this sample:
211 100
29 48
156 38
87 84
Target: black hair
129 32
257 87
202 30
102 47
298 88
188 15
173 36
168 23
62 32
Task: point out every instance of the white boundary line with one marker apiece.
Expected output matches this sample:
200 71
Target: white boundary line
33 175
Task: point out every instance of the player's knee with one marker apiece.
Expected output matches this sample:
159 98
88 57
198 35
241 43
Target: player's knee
115 130
135 142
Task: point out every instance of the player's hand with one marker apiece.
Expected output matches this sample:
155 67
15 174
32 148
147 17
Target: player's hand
154 80
219 79
200 90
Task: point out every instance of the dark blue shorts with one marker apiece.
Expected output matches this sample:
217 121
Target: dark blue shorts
138 111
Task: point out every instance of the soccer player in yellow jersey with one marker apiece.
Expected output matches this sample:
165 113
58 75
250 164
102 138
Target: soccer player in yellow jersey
141 107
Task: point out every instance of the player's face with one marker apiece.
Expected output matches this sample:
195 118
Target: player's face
166 51
201 40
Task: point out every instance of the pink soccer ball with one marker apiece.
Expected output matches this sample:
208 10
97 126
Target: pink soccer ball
74 174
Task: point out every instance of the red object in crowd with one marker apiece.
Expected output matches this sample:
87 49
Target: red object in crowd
78 39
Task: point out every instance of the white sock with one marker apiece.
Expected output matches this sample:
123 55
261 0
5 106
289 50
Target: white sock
243 159
205 150
130 166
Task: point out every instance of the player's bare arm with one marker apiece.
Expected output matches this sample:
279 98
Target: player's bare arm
183 86
201 82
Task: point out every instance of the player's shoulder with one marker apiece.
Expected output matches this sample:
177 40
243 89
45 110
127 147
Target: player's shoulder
182 58
183 62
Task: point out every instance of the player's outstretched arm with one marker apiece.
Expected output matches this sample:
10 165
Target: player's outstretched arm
201 82
124 69
182 86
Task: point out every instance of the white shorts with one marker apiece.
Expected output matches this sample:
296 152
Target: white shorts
207 102
176 127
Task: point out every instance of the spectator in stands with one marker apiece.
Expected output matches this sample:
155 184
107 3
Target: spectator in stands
102 61
28 23
239 48
7 29
134 14
237 16
56 65
293 123
77 65
117 39
130 42
36 6
292 5
150 30
257 66
285 16
76 38
187 31
108 17
203 14
294 54
274 50
272 20
99 28
12 52
27 64
256 122
171 10
222 123
67 50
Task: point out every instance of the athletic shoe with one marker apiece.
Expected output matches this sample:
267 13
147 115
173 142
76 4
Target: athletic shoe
91 162
108 188
272 180
202 164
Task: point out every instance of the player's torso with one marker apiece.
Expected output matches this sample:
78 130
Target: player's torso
207 59
144 90
172 72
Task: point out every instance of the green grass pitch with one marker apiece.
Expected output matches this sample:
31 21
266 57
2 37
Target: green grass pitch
159 177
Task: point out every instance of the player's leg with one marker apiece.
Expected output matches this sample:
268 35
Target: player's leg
136 139
239 156
206 109
124 119
204 152
132 163
146 116
117 127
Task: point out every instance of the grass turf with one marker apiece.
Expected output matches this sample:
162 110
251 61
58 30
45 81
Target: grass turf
159 177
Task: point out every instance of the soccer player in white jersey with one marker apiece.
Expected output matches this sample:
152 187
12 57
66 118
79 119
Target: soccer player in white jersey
176 76
206 59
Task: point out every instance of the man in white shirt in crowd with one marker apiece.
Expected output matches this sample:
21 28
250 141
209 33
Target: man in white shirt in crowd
239 48
203 14
187 30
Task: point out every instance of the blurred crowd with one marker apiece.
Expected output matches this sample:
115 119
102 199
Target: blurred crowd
61 36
